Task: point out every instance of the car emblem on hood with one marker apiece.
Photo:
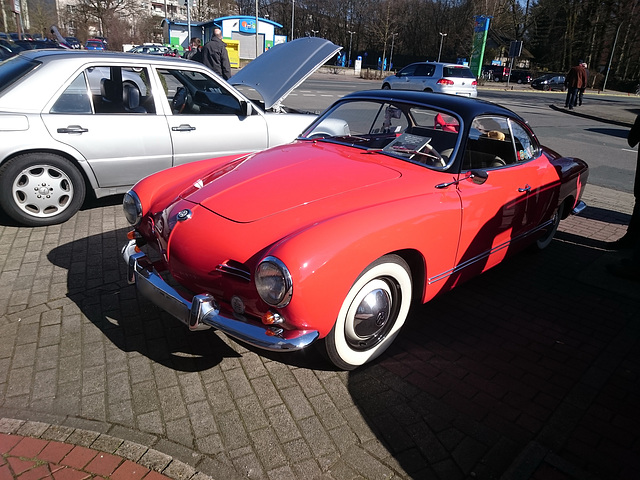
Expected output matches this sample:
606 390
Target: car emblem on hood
183 215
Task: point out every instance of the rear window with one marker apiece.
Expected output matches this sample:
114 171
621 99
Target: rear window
457 72
13 69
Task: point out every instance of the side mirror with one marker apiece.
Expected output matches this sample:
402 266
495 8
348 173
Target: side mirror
246 108
478 176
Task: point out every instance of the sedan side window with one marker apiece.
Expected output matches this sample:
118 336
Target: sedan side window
111 90
194 93
75 99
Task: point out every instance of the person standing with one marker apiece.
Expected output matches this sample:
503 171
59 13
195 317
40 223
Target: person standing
632 237
575 80
584 87
215 56
195 50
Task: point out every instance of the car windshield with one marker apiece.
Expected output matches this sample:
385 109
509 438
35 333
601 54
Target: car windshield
13 69
415 133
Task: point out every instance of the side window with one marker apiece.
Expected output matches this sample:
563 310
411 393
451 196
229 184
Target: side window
489 144
407 71
193 93
75 99
120 90
525 146
421 71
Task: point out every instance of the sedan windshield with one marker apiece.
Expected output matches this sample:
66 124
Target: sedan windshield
415 133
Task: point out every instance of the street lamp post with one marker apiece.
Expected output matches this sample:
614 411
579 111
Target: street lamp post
442 35
350 43
604 85
393 37
293 15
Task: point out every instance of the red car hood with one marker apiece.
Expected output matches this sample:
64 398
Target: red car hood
287 177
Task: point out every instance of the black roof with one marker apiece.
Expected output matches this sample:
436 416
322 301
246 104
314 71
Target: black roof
463 106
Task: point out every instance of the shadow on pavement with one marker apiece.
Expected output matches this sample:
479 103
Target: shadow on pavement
96 282
524 358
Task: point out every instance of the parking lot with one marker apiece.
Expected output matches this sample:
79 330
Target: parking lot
530 371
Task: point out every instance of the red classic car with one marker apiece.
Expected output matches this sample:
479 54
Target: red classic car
387 199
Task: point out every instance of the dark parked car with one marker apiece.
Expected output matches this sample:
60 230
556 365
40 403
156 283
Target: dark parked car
520 76
34 44
550 81
497 73
73 42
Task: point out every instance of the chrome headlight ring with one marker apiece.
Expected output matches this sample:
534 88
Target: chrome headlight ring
273 282
132 208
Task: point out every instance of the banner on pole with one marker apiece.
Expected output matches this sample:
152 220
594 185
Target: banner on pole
480 30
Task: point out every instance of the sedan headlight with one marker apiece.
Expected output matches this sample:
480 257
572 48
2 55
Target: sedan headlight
273 282
132 208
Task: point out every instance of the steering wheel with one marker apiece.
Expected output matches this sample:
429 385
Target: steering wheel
433 153
179 100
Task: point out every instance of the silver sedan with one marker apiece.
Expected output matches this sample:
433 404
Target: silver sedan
76 121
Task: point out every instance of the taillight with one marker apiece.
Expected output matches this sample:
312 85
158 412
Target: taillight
474 83
445 81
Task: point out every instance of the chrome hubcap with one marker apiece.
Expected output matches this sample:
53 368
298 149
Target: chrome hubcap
373 315
42 191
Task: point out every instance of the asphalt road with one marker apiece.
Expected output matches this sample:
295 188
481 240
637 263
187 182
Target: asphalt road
602 145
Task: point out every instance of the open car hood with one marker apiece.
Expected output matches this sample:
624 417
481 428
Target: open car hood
279 70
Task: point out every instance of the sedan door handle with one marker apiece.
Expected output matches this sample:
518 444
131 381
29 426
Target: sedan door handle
527 188
73 129
185 127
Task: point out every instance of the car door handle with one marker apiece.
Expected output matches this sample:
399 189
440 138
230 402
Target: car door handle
185 127
526 188
73 129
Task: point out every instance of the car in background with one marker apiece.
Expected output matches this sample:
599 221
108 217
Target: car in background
73 42
36 44
520 76
77 120
150 49
11 46
387 200
496 73
550 81
436 77
93 44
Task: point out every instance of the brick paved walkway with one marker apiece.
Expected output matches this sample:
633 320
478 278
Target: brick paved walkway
530 371
33 458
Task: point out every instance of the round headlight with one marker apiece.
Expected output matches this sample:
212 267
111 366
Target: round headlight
273 282
132 208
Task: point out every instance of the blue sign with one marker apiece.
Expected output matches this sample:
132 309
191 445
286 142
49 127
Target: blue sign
247 26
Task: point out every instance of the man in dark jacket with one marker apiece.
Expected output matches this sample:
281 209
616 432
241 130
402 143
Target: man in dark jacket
575 80
215 56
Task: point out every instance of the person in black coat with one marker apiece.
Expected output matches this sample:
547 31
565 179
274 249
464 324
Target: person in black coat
215 56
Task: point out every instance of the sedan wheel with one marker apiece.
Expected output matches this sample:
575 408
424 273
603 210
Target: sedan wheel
372 313
41 189
386 86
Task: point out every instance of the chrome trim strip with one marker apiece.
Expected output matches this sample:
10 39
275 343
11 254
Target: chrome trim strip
482 256
235 271
203 311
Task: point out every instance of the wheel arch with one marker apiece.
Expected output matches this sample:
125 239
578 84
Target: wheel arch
324 271
82 166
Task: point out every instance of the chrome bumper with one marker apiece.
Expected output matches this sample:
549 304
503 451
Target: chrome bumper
203 311
580 206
